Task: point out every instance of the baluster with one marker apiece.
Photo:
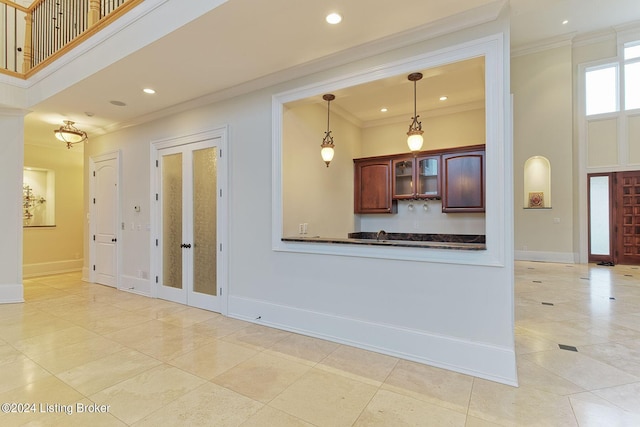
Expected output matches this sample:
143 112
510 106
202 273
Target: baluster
94 12
27 50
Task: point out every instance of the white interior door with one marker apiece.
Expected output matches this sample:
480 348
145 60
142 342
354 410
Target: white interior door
188 246
105 222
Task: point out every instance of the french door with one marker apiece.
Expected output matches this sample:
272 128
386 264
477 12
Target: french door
188 249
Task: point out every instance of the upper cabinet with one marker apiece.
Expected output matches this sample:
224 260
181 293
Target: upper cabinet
463 181
372 186
416 177
456 175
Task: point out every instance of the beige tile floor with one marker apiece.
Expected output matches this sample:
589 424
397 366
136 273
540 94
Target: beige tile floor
150 362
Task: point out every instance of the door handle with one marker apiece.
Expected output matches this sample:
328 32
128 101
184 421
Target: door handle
114 240
185 245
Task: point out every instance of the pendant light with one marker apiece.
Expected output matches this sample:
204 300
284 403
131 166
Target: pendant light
70 134
415 139
327 142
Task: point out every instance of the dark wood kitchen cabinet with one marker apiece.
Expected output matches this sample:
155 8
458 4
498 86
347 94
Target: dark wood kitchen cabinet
372 186
463 181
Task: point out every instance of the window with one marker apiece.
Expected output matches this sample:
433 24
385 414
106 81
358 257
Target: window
632 51
632 76
602 89
602 83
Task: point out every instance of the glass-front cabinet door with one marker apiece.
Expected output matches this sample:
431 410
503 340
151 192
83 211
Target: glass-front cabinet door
428 177
416 177
403 178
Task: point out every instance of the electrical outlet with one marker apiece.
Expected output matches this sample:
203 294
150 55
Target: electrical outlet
305 226
300 228
556 220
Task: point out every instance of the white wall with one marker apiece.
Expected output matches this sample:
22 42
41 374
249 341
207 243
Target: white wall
436 314
441 131
413 217
312 193
11 155
57 249
542 84
134 191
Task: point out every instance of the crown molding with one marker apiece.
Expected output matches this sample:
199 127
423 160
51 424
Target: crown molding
594 37
543 45
13 112
628 32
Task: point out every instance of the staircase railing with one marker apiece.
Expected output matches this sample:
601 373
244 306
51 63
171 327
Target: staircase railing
36 35
12 19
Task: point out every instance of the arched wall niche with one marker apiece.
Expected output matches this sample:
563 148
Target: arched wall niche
537 183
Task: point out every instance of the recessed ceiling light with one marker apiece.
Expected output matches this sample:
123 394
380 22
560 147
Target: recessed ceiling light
565 22
383 110
149 90
443 98
333 18
118 103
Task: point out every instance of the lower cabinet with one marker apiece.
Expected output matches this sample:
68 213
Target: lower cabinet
372 186
463 181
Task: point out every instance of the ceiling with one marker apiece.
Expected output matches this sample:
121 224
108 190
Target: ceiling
244 41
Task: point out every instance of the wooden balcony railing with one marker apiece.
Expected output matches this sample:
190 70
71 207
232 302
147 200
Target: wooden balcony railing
33 36
12 17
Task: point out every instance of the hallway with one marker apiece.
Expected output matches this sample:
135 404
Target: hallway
149 362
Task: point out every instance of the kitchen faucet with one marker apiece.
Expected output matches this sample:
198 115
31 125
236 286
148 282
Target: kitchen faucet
380 234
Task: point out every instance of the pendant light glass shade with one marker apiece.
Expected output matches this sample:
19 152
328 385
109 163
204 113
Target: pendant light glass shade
327 151
327 154
414 139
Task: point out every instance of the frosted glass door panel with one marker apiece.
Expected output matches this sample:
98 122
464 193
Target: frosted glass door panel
599 215
204 221
172 220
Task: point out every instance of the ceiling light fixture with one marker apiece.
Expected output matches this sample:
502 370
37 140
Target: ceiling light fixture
327 142
444 98
149 91
565 22
383 110
70 134
334 18
415 132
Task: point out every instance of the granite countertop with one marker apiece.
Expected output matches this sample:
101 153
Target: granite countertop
411 240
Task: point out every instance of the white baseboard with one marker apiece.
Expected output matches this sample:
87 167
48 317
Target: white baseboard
560 257
56 267
11 293
135 285
481 360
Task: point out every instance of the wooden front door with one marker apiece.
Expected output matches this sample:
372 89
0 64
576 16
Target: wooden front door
628 218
